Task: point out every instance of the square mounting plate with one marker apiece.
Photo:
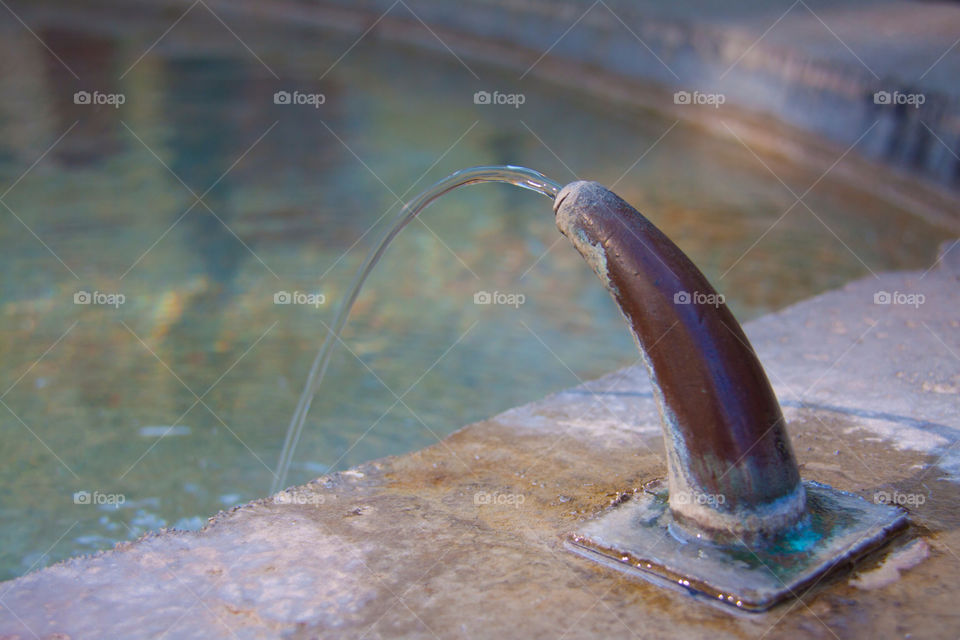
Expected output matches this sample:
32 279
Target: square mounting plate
635 536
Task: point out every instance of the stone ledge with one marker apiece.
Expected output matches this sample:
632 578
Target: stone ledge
464 538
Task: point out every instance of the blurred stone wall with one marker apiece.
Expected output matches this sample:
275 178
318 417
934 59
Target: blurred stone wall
700 46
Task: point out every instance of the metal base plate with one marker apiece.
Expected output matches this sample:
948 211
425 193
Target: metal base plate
636 536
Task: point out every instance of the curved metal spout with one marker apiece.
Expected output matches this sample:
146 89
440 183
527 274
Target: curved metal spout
731 471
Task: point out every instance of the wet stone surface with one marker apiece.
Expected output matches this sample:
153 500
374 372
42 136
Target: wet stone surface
465 538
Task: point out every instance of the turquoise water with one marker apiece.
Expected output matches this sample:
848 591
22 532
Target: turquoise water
199 353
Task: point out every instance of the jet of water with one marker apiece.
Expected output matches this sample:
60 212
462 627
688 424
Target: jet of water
519 176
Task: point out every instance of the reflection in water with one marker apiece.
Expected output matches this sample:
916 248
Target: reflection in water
200 318
202 145
98 129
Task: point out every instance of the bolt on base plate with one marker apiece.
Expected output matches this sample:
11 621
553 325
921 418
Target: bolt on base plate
635 536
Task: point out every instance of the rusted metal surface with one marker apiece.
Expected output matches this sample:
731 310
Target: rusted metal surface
732 472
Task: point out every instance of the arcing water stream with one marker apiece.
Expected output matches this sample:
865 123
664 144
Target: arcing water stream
519 176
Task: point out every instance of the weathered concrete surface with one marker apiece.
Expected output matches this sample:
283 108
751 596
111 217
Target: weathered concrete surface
464 539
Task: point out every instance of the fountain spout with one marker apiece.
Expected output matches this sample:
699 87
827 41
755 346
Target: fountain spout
731 471
735 523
